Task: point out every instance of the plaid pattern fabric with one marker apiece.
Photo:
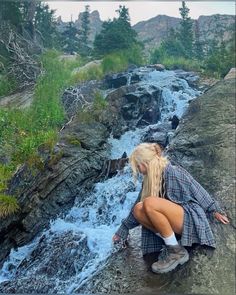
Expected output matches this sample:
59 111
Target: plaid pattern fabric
182 189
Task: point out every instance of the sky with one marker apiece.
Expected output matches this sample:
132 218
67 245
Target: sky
141 10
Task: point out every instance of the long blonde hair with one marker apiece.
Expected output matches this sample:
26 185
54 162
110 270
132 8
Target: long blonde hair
151 155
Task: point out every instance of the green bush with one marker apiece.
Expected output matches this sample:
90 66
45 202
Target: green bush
8 205
7 85
173 63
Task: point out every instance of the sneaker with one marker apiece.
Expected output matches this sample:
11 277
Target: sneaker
170 258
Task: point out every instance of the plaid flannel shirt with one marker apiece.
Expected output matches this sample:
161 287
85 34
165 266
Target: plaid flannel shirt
182 189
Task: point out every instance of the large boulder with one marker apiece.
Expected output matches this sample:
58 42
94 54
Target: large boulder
204 144
132 106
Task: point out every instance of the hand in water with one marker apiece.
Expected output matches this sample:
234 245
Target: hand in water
222 218
118 241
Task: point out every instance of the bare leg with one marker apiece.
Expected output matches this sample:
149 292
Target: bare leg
165 216
142 217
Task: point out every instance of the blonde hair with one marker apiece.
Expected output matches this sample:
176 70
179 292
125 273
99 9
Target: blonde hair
151 155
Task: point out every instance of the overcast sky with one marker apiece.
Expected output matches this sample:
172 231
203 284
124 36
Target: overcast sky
141 10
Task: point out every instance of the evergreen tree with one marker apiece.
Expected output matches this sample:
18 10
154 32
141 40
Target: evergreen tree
198 44
71 40
45 25
186 30
116 35
84 48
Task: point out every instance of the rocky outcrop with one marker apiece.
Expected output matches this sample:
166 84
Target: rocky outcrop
21 99
132 106
66 174
215 27
204 144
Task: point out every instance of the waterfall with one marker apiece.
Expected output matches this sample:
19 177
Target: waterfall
77 245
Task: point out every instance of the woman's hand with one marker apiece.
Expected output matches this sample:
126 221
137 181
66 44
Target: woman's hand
116 239
222 218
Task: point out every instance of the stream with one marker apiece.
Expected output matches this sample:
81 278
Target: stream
78 244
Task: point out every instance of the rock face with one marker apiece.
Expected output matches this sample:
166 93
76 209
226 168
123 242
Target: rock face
19 100
215 27
132 106
205 145
153 31
72 169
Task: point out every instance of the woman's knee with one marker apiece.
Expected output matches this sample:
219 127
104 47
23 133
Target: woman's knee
137 211
150 204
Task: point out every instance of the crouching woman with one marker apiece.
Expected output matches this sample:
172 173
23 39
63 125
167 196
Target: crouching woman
170 203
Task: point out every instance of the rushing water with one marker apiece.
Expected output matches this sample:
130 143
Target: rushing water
77 245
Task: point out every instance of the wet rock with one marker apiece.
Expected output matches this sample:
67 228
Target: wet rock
191 77
116 80
132 106
158 134
157 67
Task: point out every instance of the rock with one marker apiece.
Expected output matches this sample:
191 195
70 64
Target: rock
90 65
76 97
158 134
157 67
132 106
19 100
116 80
231 74
191 77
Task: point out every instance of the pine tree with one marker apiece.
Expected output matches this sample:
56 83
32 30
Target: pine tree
198 44
45 25
186 30
116 34
71 40
84 48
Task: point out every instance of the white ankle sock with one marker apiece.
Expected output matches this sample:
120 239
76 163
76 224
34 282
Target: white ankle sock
171 240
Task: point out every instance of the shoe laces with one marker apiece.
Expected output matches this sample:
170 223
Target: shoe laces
164 253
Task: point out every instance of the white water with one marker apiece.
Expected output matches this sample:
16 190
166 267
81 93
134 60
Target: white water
99 216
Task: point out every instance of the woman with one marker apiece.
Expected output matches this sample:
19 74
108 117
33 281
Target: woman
171 202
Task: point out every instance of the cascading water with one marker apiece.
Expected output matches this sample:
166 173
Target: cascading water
77 245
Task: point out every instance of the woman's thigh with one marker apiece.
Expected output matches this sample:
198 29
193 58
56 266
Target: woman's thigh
172 211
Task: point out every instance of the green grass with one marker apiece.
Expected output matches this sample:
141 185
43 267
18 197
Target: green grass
8 205
7 85
111 63
173 63
24 131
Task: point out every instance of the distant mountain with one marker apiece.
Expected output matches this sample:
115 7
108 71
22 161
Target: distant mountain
95 24
214 27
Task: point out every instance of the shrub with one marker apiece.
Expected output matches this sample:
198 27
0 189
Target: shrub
8 205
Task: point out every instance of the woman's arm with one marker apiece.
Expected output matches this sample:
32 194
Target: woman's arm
128 223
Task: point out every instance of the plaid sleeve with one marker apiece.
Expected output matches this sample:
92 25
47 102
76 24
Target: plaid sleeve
183 186
129 222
